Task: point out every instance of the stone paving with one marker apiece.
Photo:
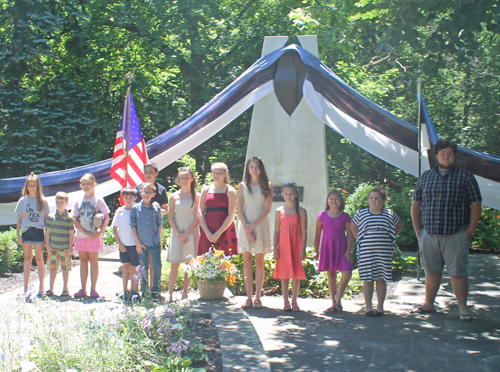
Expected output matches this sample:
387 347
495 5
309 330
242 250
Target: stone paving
311 340
349 341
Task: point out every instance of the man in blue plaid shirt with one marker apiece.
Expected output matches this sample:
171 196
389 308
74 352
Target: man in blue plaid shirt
447 200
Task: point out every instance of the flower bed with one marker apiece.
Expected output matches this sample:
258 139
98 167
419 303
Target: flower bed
50 336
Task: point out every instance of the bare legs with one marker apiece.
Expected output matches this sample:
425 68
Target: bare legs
247 273
460 286
172 278
332 285
85 258
344 281
368 294
28 257
295 289
259 274
126 276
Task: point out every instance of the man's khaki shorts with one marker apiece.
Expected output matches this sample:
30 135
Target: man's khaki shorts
439 250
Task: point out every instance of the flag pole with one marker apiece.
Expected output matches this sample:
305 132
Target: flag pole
419 93
130 79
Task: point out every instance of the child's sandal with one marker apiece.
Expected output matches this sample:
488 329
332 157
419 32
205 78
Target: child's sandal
338 307
257 304
287 306
295 307
247 304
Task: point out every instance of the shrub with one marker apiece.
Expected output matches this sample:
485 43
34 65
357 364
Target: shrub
11 253
487 235
108 237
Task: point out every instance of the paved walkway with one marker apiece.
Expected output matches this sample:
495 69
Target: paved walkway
313 341
310 340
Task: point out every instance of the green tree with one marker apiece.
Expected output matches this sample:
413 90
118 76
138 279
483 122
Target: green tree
43 104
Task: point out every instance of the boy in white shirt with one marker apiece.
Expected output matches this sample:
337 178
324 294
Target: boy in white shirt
126 241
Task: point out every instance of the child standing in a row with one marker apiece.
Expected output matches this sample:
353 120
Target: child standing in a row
335 254
32 211
216 213
59 236
146 221
376 229
290 240
90 217
122 232
255 198
183 218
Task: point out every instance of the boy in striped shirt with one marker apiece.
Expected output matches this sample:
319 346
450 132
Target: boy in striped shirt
59 234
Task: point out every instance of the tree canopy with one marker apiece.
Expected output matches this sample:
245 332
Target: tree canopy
62 68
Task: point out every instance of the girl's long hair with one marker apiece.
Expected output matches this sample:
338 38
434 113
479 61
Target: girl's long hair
293 186
194 184
39 193
335 192
263 178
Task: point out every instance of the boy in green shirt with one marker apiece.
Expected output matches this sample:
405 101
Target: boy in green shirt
59 234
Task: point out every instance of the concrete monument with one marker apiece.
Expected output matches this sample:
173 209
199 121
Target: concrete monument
288 136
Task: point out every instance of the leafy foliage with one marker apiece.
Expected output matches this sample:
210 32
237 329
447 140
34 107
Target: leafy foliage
11 253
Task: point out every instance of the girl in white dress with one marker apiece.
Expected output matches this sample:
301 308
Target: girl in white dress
183 218
255 197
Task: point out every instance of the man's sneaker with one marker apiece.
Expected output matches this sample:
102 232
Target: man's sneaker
81 293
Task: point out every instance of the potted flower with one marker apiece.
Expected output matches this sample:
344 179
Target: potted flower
212 271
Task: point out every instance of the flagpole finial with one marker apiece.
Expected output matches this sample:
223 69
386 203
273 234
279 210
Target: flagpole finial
130 77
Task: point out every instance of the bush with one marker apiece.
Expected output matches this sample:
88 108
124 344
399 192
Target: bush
108 237
11 253
487 236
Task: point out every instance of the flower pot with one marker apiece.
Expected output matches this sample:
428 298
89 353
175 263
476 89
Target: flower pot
211 290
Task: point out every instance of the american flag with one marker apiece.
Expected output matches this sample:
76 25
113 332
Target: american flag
130 174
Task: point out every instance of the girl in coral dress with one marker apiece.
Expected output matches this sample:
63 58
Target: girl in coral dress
290 239
217 212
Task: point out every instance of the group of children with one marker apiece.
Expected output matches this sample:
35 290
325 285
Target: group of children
138 225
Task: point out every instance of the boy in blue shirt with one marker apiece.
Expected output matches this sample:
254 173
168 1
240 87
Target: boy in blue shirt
146 221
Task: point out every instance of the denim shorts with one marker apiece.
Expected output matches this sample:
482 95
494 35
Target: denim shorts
33 235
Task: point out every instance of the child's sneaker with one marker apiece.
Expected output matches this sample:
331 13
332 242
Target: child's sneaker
93 294
81 293
134 297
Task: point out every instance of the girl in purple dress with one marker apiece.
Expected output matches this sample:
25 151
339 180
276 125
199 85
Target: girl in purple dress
335 254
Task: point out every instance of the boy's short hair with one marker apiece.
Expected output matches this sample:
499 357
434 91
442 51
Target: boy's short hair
151 164
444 144
62 195
128 191
148 185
